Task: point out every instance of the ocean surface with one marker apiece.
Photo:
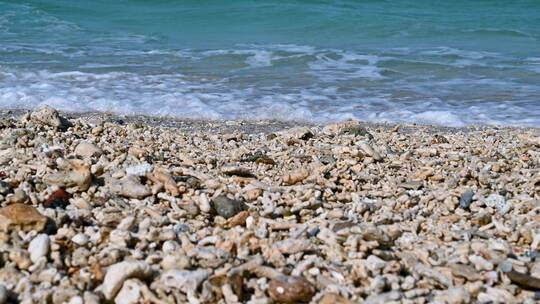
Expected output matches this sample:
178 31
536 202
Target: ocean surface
440 62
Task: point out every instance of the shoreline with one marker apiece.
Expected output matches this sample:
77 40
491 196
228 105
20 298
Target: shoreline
248 126
104 208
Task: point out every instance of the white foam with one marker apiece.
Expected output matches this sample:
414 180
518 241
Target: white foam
346 66
326 85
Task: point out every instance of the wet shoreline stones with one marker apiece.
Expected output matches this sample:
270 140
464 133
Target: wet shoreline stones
94 210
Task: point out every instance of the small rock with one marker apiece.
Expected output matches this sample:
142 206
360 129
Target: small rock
523 280
369 151
465 271
385 297
5 188
299 133
129 186
139 170
253 194
118 273
137 152
259 158
39 247
18 197
292 246
327 159
167 180
357 130
411 185
498 202
130 293
22 217
285 289
495 295
184 280
453 295
58 199
466 199
333 298
295 177
238 220
87 150
227 207
3 294
91 298
238 171
480 263
76 300
374 263
75 174
439 139
47 116
80 203
80 239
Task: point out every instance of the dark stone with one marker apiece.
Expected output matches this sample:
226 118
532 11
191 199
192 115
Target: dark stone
259 158
253 157
191 181
342 225
466 199
58 199
5 188
439 139
283 289
181 228
524 281
314 231
327 159
227 207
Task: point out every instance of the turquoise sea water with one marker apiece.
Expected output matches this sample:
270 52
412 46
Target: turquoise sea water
443 62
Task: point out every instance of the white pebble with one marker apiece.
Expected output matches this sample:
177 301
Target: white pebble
76 300
120 272
39 247
80 239
129 294
139 170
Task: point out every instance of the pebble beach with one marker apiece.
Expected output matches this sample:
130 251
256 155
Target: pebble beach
98 208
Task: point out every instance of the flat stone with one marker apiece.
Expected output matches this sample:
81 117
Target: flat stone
465 271
21 216
87 150
411 185
524 280
237 171
129 186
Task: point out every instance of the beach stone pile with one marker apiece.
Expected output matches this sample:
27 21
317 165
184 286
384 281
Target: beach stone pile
94 211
